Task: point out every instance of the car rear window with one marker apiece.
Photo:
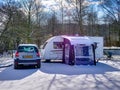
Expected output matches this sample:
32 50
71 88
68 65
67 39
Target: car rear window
27 49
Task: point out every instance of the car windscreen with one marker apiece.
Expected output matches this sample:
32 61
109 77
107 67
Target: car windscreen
27 49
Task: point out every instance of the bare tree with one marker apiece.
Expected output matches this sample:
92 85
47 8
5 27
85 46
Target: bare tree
92 22
112 9
52 25
79 12
33 10
9 10
28 8
61 7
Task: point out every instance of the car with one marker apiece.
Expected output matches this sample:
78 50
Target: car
27 54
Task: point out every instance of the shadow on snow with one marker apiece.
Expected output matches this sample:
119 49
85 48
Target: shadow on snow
55 68
10 73
59 68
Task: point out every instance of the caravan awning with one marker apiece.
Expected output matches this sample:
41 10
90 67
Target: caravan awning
78 40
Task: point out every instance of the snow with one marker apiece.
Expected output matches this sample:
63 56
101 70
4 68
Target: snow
5 60
57 76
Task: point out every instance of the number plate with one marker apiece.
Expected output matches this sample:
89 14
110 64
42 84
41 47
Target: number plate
28 56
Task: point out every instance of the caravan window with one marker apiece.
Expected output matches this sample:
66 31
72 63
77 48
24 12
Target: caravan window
58 45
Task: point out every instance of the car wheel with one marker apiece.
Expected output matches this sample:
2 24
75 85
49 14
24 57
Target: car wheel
15 66
39 65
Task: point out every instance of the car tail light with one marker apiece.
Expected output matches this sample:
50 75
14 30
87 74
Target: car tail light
38 54
17 54
38 62
16 63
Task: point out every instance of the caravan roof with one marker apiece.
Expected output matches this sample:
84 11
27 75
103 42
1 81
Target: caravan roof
73 39
58 38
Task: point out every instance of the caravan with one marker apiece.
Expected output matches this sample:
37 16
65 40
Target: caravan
73 49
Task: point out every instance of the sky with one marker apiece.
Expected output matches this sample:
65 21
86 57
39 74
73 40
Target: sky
50 6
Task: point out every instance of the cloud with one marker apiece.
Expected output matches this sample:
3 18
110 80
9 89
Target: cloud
55 5
87 3
49 5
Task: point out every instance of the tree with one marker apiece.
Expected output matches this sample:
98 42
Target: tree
9 10
52 23
79 12
61 14
92 22
34 12
112 9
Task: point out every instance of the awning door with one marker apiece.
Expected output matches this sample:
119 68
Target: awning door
83 54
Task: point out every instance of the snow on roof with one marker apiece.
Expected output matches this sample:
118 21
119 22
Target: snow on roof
112 48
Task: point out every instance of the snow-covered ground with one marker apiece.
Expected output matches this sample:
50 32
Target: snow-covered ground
57 76
5 60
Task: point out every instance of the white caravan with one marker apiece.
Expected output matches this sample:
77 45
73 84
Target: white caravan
53 48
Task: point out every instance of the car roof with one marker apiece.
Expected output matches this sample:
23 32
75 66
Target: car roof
28 45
